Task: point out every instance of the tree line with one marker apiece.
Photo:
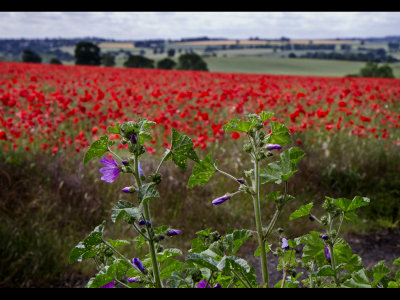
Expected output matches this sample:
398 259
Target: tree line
87 53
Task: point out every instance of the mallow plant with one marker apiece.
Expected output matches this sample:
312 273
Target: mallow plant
315 260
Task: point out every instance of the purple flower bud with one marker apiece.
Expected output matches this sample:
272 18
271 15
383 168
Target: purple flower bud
240 180
220 200
133 139
274 147
171 232
324 237
218 285
108 285
125 162
128 189
143 222
141 174
134 279
285 244
327 254
138 264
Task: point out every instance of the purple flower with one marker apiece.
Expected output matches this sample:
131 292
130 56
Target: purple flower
111 171
138 264
327 254
171 232
217 286
202 284
125 163
220 200
274 147
134 279
108 285
285 244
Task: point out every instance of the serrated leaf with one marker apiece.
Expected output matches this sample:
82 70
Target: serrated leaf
122 208
97 149
181 150
280 134
233 241
203 261
240 265
117 243
86 248
202 172
114 129
265 116
147 192
303 211
358 280
348 205
239 125
379 272
108 274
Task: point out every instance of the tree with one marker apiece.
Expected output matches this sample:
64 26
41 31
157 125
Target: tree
87 53
30 57
191 61
372 69
108 60
138 61
166 64
55 61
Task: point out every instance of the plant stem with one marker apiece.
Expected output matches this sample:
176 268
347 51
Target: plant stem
333 264
257 213
146 209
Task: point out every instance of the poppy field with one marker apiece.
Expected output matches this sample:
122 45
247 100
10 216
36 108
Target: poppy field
52 108
50 115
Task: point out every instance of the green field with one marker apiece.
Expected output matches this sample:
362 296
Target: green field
287 66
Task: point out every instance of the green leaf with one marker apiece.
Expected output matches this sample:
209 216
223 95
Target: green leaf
234 240
181 150
282 170
87 248
238 125
144 126
147 192
325 271
109 273
97 149
257 253
203 261
313 248
358 280
379 272
279 134
122 208
344 255
348 205
117 243
202 172
303 211
396 262
239 265
116 129
265 116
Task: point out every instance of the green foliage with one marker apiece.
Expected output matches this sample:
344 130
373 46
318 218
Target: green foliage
191 61
30 56
139 61
202 172
166 64
87 53
108 60
371 69
98 149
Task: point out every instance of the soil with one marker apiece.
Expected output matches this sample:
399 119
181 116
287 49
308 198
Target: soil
372 248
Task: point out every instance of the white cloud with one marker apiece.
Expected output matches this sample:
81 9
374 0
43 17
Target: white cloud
175 25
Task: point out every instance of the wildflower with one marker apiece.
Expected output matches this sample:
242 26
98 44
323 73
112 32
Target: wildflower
218 285
202 284
324 237
240 180
141 174
125 163
327 254
220 200
133 139
108 285
138 264
111 171
285 244
171 232
235 135
274 147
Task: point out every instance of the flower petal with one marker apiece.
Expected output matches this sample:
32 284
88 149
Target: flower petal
109 174
108 162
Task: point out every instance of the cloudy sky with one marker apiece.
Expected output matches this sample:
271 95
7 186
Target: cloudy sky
177 25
